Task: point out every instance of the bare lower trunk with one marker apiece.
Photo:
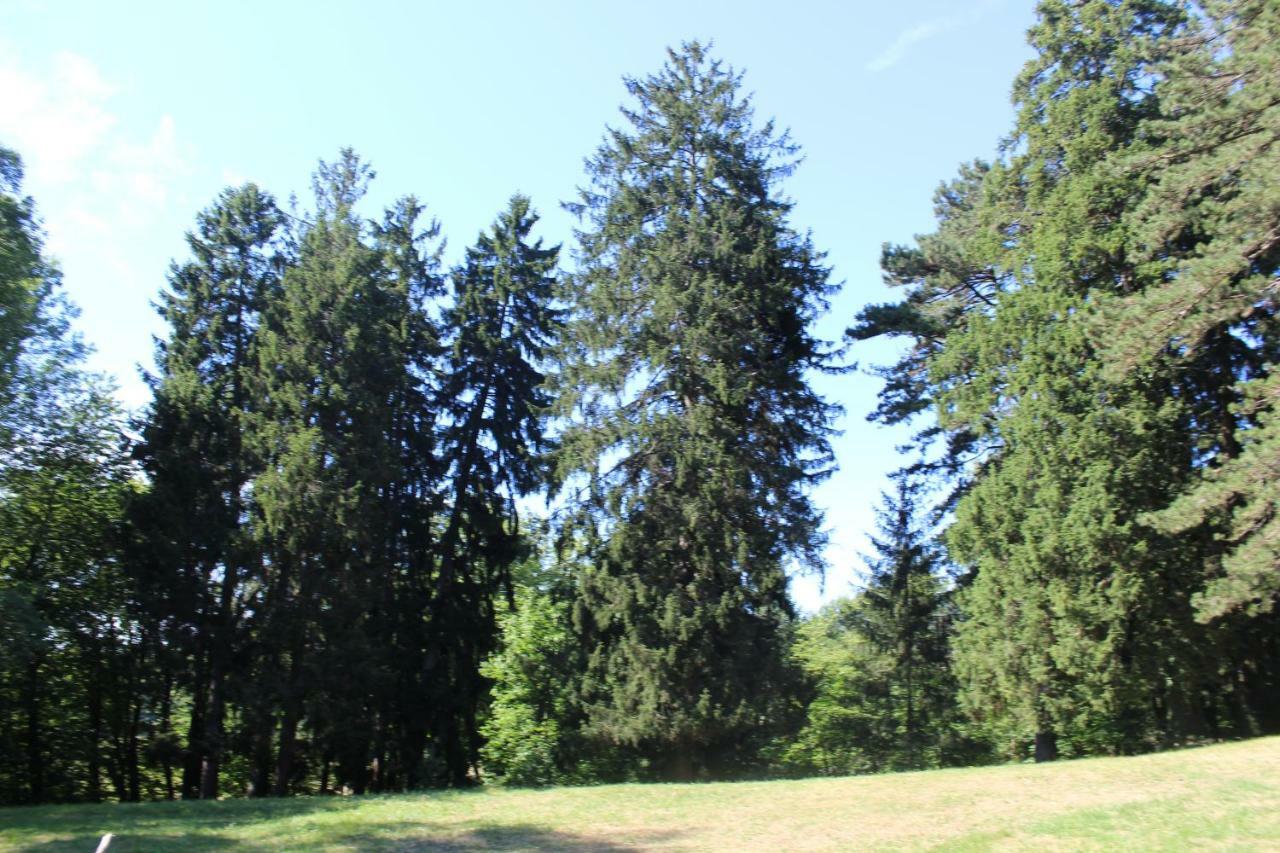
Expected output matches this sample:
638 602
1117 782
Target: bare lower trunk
35 748
1046 746
284 758
212 738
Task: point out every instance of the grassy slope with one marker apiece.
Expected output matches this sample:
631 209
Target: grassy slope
1219 797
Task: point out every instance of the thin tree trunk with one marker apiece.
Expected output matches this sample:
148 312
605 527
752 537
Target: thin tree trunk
193 757
260 783
166 727
35 747
94 793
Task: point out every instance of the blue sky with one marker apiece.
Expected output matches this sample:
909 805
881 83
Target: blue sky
131 116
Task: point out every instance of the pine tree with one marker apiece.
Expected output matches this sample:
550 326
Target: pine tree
693 432
1209 235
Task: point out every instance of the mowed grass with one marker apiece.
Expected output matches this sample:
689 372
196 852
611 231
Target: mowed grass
1224 797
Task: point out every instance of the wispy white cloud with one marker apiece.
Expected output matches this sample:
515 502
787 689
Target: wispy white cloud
61 124
138 175
57 119
923 31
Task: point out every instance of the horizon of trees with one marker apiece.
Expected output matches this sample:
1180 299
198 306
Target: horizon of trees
304 567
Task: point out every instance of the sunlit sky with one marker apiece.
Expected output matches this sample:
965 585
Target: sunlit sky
131 116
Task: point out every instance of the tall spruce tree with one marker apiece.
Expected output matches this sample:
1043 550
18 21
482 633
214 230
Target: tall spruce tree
906 613
201 559
347 494
502 323
693 432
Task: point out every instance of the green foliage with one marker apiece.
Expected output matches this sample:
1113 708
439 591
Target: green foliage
1208 236
69 664
308 593
691 431
1079 631
27 279
884 697
531 714
501 325
199 567
849 721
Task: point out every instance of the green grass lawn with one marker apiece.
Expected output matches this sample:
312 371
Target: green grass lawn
1223 797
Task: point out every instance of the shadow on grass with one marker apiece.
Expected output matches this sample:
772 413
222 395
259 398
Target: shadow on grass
179 825
427 837
198 843
201 826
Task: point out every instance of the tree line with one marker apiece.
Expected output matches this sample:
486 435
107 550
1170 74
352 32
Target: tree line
309 565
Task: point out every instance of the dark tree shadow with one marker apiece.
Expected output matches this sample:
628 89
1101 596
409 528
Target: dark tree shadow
184 825
427 837
195 826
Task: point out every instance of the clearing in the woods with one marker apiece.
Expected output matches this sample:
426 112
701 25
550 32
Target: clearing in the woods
1220 797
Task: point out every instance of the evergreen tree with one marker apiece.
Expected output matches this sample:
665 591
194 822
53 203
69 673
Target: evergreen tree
906 614
202 557
1208 234
693 432
883 694
1078 630
502 322
338 363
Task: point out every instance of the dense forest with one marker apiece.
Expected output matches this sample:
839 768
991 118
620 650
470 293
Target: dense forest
318 562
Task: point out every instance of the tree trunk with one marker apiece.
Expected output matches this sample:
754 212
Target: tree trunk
166 727
260 782
194 754
35 749
94 793
1046 746
284 757
213 730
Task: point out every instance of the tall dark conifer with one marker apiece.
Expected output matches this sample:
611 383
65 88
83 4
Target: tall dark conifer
502 322
906 614
693 432
199 548
342 369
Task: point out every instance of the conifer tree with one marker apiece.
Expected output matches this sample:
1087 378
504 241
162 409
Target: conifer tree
502 322
1208 234
201 555
1077 629
335 360
905 613
693 432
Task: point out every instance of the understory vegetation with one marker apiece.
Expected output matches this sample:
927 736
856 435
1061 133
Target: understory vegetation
310 565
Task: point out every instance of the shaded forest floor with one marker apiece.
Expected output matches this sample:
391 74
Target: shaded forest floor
1218 797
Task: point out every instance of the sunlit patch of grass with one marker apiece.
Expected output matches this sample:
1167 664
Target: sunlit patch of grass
1223 797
